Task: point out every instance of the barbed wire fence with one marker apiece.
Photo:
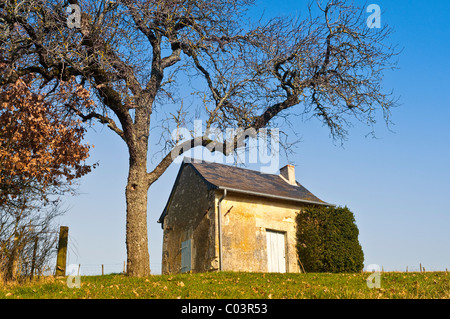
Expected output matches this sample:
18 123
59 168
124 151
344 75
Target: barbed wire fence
112 268
96 269
101 269
91 269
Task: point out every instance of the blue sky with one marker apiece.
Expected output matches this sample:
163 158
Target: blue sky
397 185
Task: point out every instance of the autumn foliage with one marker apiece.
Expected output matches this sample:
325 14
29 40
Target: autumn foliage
38 144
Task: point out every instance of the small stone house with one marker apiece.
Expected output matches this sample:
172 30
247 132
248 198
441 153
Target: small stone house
221 217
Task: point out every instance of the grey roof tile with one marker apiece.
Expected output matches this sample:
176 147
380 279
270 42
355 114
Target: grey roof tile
226 176
240 179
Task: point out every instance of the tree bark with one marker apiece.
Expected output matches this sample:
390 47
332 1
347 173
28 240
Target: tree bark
138 259
13 262
136 192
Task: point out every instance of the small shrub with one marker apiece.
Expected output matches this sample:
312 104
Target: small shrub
327 240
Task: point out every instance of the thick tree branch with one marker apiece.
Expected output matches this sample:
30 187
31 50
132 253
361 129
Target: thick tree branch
102 118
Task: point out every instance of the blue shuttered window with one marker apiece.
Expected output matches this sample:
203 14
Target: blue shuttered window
186 255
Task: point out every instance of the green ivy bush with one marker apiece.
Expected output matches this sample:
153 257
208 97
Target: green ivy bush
327 240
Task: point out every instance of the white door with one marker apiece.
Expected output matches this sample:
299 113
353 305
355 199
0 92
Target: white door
276 251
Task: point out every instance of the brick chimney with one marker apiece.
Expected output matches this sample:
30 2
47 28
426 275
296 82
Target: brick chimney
288 172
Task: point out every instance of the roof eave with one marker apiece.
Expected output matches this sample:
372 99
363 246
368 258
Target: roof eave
306 201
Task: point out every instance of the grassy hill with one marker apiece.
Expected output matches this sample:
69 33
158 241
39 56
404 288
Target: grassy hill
237 286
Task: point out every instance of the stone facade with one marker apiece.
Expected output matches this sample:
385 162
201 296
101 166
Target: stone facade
191 219
246 220
190 215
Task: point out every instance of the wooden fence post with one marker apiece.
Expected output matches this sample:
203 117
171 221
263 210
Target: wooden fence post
103 270
62 251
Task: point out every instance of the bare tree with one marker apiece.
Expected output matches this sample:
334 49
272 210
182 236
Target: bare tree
143 58
28 234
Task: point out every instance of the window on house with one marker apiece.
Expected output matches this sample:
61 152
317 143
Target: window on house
186 262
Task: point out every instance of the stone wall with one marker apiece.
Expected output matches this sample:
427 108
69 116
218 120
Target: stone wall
245 222
190 216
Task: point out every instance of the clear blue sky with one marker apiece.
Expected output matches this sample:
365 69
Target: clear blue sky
397 185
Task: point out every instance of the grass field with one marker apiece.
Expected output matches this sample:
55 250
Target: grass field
238 286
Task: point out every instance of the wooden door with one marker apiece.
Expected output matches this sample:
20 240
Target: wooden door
276 251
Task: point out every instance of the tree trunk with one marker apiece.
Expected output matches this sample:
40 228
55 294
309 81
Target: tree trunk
136 192
33 258
138 260
13 262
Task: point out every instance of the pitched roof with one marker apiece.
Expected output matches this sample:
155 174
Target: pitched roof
236 178
241 180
